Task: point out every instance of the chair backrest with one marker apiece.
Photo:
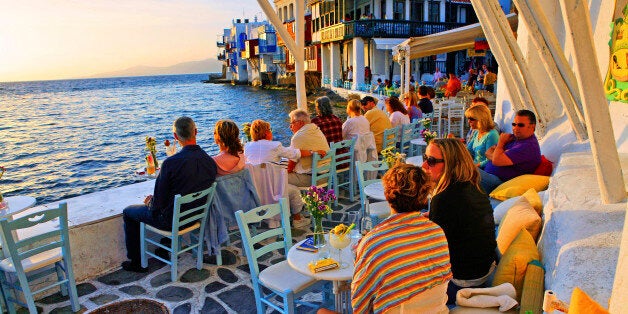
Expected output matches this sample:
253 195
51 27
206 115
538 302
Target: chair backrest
192 207
267 241
321 168
343 154
391 137
38 242
362 167
406 135
270 181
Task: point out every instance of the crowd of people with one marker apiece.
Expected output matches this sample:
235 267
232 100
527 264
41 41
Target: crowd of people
412 258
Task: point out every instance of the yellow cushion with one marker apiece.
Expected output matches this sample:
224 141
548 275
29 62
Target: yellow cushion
534 199
533 288
582 303
520 215
519 185
512 267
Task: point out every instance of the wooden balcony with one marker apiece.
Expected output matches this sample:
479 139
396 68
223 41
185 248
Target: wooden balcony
383 29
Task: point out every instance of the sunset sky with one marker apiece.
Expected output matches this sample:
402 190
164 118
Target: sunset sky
54 39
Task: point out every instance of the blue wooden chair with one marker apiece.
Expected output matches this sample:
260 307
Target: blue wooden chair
191 219
405 136
344 160
391 137
38 256
280 279
321 170
376 211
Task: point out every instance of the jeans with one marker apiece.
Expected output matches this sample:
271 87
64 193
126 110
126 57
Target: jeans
489 181
133 216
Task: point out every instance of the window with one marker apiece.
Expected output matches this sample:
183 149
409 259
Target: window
292 11
434 11
462 15
399 9
416 11
367 9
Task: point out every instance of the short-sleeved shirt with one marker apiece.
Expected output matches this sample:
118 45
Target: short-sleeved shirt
379 122
525 155
477 147
426 105
401 257
331 126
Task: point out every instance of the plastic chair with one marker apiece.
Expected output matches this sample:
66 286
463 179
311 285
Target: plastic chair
279 278
38 256
376 211
391 137
344 159
190 219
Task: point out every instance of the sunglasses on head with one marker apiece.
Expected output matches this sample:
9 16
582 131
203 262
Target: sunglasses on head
518 124
431 161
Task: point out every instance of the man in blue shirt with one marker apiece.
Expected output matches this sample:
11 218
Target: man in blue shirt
190 170
514 155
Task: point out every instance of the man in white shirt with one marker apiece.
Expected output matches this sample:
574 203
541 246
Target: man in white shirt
307 136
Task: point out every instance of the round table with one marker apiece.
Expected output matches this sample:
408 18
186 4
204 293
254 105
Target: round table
415 145
416 160
375 190
299 261
17 204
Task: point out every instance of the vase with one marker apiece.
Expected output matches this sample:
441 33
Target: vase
319 238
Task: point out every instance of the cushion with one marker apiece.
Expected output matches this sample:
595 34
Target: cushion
500 210
533 288
534 199
519 185
582 303
514 263
520 215
545 167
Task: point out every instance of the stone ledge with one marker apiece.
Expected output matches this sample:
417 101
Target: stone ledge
581 236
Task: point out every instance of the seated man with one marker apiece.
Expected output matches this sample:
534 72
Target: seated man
378 120
190 170
307 136
402 265
514 155
263 149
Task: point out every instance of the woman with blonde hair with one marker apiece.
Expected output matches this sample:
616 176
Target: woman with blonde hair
231 158
483 135
412 104
462 209
356 123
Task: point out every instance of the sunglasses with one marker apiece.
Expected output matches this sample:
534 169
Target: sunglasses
518 124
472 119
431 161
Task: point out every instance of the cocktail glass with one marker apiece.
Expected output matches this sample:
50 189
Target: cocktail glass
340 241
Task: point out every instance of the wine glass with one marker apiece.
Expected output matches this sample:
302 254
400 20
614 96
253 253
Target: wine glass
339 241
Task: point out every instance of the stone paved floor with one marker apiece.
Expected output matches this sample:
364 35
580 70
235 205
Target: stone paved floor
214 289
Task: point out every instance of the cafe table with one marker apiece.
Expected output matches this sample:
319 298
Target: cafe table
340 277
415 160
16 205
375 190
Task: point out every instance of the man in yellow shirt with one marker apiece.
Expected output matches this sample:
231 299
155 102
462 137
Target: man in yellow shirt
378 120
489 80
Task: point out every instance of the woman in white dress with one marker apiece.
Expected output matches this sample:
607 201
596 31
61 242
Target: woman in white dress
356 123
397 111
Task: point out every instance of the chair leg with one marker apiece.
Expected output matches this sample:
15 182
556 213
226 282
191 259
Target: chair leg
26 291
219 256
199 252
257 291
288 303
69 273
174 257
6 291
144 258
61 276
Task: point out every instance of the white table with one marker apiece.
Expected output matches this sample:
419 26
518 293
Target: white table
340 277
416 160
415 145
17 204
375 190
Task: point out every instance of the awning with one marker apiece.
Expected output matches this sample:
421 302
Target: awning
452 40
387 43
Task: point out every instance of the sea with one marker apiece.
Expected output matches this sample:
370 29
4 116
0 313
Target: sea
64 138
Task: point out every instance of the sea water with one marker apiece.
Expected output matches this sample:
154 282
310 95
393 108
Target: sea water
64 138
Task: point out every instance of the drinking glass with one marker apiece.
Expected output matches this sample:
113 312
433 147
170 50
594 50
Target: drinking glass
339 241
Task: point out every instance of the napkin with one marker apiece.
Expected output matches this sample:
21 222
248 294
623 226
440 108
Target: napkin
323 265
503 296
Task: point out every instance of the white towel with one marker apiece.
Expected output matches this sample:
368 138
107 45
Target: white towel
503 296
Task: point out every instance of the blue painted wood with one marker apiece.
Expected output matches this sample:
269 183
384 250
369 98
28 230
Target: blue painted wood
344 163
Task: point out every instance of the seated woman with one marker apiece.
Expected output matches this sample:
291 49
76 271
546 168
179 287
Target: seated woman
398 113
462 209
231 158
402 265
412 105
483 134
356 123
263 149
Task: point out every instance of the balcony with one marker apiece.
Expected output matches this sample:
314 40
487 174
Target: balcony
279 58
220 44
384 29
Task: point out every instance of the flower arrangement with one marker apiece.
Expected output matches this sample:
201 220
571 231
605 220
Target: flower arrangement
427 123
151 147
391 156
428 135
317 201
246 129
